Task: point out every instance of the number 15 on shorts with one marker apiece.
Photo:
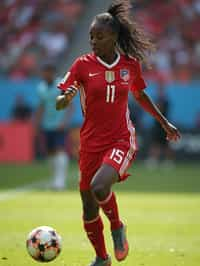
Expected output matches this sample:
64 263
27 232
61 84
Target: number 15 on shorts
117 155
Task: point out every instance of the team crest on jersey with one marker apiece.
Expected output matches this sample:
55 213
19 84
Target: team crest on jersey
124 74
110 76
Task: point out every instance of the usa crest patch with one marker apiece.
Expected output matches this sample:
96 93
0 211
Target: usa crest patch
124 74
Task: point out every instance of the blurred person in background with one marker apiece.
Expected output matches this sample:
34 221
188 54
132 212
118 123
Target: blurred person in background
21 110
159 150
53 125
136 114
35 31
31 30
107 139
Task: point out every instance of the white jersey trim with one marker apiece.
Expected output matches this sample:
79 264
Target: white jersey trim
110 65
82 99
133 147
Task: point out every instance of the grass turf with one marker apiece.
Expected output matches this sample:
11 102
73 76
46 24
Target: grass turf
160 207
181 179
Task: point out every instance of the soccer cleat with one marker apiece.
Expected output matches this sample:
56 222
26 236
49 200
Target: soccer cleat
121 246
101 262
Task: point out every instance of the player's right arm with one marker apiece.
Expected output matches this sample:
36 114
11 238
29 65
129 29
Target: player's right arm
63 100
69 85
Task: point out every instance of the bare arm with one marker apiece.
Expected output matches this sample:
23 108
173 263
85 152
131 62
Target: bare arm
147 104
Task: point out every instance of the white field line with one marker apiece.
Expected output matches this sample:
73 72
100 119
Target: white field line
13 193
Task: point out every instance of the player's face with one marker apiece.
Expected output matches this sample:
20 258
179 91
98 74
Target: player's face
102 39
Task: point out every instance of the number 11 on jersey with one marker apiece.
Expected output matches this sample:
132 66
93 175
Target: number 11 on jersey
110 93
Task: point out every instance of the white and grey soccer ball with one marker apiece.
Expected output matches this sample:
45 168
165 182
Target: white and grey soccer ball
43 244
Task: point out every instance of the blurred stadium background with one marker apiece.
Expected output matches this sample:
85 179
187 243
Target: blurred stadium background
36 31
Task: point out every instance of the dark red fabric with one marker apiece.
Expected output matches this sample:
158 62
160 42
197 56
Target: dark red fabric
110 209
94 232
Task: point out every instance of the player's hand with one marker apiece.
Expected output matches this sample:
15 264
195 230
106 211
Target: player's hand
172 132
62 101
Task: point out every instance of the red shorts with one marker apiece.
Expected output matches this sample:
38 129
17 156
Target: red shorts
118 156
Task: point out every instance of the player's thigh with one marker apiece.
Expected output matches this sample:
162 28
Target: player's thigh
104 178
89 163
120 157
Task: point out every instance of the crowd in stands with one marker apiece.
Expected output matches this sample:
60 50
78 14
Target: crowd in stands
174 25
33 31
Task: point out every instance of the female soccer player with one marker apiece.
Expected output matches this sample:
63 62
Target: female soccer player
108 143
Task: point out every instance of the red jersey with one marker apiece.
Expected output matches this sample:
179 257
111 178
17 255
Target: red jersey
104 99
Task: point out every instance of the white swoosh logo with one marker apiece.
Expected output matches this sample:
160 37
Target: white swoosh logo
93 74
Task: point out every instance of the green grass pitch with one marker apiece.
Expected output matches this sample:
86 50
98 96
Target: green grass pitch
161 208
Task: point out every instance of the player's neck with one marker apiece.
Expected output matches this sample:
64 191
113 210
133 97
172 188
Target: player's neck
109 58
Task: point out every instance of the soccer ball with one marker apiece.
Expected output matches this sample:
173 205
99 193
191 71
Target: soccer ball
43 244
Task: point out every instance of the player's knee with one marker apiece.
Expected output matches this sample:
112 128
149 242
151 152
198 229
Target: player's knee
99 190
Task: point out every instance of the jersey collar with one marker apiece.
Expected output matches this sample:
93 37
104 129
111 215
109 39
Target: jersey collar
109 65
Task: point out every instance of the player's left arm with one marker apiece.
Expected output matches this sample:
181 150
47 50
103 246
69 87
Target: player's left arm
148 105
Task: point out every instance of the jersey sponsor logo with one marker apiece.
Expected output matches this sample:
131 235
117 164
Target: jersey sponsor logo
109 76
93 74
124 74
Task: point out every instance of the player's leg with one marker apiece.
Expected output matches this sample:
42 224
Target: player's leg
89 163
115 163
93 226
101 185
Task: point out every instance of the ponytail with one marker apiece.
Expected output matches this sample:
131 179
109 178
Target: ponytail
131 39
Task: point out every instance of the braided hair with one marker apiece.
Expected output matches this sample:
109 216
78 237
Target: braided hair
131 40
